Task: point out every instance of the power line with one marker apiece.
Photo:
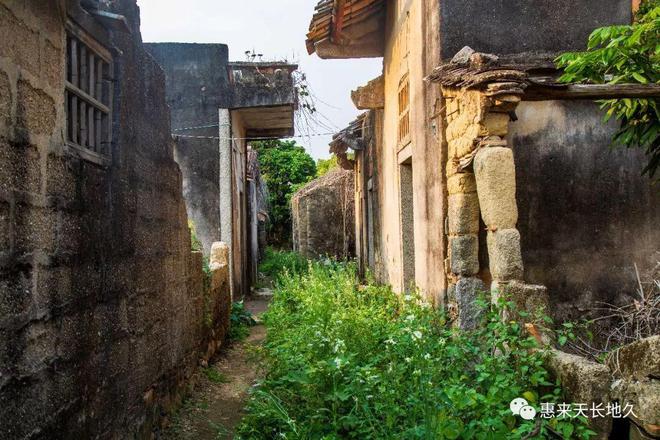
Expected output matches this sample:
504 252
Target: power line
265 138
184 136
200 126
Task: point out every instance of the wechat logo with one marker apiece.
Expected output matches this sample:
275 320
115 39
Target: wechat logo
520 407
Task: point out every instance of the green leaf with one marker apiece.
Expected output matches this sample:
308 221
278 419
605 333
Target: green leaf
639 77
453 428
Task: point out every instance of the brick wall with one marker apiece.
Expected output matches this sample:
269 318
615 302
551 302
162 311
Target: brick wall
102 308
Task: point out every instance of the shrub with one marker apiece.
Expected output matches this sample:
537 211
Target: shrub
350 361
276 263
240 322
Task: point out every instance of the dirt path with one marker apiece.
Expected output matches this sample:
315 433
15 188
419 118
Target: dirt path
216 406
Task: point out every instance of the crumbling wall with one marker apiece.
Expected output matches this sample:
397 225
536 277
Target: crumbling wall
323 216
548 209
102 306
256 84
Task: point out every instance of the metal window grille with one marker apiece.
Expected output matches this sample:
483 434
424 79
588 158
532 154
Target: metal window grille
88 92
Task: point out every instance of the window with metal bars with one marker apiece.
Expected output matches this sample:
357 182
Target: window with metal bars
88 92
404 111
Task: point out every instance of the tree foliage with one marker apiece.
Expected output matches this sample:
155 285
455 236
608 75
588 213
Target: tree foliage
323 166
625 54
284 165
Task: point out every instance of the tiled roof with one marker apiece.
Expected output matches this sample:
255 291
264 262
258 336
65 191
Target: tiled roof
331 17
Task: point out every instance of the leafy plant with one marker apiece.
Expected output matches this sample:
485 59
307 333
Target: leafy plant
345 360
625 54
195 243
240 322
284 164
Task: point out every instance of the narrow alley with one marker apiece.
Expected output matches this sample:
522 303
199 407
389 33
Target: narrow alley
215 406
329 219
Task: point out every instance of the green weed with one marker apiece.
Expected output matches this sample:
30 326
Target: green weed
214 375
278 263
350 361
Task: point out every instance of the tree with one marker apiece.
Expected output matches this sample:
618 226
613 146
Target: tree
625 54
284 166
323 166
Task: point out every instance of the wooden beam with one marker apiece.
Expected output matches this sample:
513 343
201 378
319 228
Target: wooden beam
538 92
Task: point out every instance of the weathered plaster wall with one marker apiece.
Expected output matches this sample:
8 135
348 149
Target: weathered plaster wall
102 313
197 85
323 216
408 25
585 213
240 222
514 26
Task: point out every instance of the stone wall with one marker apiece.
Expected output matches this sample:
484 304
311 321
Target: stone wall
323 216
102 308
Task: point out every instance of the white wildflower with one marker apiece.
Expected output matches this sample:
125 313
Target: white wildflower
339 346
427 356
417 335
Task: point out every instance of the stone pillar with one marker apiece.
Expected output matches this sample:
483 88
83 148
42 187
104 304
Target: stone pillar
496 187
481 180
463 211
225 185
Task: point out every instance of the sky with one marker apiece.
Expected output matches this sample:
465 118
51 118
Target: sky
276 29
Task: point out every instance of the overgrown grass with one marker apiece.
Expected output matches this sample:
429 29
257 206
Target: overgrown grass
349 361
215 376
278 263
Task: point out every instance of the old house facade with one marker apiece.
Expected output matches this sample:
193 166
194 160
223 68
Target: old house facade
217 107
103 312
420 218
477 172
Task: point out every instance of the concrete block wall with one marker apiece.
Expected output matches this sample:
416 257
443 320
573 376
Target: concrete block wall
102 307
